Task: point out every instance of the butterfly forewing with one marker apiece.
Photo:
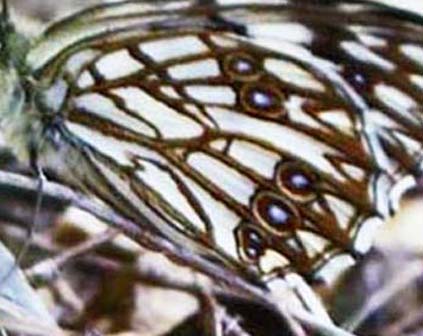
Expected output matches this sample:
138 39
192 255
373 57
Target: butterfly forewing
262 134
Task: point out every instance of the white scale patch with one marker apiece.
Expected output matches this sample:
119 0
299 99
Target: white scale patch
223 220
281 46
413 147
161 182
166 49
417 80
196 112
105 108
56 94
208 94
338 119
85 80
366 234
223 41
260 160
293 74
413 52
397 100
219 145
272 260
118 64
342 210
372 41
366 37
228 179
382 189
313 243
249 2
170 92
125 190
120 151
288 31
334 267
364 54
171 123
201 69
296 113
381 120
354 171
399 189
76 62
280 136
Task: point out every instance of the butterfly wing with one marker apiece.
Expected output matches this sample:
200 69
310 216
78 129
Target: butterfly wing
260 133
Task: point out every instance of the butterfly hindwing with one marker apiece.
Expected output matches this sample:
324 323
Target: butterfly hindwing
266 141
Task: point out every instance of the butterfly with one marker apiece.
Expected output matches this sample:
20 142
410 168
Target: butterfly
272 136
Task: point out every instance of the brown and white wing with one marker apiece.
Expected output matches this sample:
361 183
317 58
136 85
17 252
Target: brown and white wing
260 131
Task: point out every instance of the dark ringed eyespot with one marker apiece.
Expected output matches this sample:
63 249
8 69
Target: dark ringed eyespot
241 66
358 77
296 180
251 243
275 213
263 99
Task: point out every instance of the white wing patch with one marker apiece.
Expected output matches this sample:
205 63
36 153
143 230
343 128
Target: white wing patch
207 94
223 220
413 52
366 233
171 123
272 260
343 211
338 119
248 154
290 73
161 182
105 108
167 49
398 101
354 172
364 54
118 64
313 244
85 80
120 151
233 183
79 60
170 92
334 267
289 31
200 69
280 136
417 80
294 107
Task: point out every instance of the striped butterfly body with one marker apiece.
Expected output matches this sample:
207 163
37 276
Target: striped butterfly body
258 133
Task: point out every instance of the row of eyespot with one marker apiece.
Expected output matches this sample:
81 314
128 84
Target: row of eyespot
257 96
276 214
